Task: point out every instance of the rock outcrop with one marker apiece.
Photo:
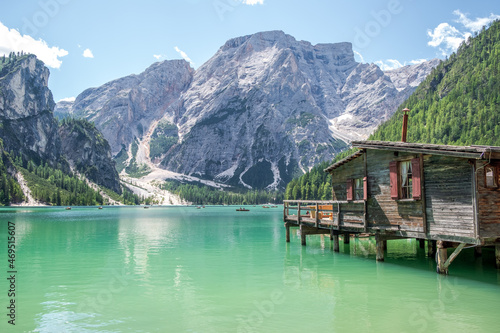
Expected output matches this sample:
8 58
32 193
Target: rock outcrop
29 128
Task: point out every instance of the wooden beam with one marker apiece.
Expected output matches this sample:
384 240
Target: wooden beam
454 255
287 233
422 243
478 251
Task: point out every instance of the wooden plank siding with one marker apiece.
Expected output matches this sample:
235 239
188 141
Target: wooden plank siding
449 196
383 211
488 205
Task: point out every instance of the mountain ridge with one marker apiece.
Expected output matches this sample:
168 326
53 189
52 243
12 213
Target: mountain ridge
263 109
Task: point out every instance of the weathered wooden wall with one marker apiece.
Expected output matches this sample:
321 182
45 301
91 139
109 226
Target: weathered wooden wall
351 170
449 196
382 210
488 204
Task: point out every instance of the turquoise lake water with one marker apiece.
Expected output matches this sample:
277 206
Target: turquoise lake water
181 269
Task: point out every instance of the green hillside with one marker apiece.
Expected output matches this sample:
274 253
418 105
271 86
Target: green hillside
457 104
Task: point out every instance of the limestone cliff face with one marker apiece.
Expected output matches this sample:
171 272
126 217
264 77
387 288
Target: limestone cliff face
26 106
125 108
264 108
29 127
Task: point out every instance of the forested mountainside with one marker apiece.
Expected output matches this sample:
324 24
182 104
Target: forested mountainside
39 153
457 104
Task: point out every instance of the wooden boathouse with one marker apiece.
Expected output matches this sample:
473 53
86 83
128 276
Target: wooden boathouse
447 195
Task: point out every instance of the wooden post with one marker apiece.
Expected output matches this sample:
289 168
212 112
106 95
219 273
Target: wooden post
317 215
379 244
497 255
331 234
442 256
336 247
478 251
302 235
287 228
431 248
347 238
422 243
298 214
384 243
422 192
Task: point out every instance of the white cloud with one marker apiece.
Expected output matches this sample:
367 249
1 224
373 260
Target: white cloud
67 99
388 64
356 53
12 41
253 2
477 24
184 55
448 38
88 53
417 61
157 56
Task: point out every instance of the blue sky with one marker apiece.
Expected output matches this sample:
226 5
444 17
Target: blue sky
88 43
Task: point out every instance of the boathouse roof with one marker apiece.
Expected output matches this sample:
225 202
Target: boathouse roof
472 152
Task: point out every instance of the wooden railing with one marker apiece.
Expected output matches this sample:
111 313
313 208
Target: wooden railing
326 214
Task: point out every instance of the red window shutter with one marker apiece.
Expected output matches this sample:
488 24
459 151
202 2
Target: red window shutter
350 190
416 176
393 170
365 188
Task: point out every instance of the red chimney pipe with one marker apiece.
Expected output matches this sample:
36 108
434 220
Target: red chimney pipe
405 124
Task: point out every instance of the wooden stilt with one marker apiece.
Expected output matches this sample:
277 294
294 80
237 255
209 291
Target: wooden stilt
422 243
431 248
287 228
347 238
302 236
331 234
497 255
478 251
442 256
380 247
336 247
384 243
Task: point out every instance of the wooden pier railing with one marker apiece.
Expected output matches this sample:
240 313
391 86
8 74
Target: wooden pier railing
337 215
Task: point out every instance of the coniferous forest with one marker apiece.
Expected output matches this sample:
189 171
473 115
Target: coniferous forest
457 104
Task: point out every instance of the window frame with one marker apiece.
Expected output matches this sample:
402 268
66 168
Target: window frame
495 176
414 191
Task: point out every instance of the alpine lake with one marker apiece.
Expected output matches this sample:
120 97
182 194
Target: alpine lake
182 269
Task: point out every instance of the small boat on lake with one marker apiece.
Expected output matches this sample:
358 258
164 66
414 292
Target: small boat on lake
242 209
100 207
68 208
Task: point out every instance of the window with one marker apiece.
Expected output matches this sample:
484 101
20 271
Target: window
491 176
405 179
357 189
